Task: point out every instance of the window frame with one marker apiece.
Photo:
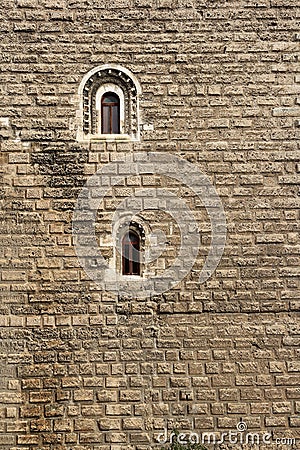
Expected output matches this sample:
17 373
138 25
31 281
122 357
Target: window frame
127 248
113 109
114 89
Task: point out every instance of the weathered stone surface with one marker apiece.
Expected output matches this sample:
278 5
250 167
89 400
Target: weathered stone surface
83 367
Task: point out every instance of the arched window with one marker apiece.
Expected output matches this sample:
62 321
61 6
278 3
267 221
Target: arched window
131 243
110 113
108 105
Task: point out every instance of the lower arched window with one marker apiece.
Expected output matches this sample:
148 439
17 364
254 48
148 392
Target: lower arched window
131 243
110 113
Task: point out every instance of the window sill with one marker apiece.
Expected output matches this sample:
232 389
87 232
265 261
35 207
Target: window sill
131 278
109 138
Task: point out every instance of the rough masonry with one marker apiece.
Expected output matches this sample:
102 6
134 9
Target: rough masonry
87 369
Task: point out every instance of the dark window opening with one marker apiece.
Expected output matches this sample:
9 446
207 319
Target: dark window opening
110 113
130 254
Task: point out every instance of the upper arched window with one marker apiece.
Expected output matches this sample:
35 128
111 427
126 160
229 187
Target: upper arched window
110 113
109 105
131 244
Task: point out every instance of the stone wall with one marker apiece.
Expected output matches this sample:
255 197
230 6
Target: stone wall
84 368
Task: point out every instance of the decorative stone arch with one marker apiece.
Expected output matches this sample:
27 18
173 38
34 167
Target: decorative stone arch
102 79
